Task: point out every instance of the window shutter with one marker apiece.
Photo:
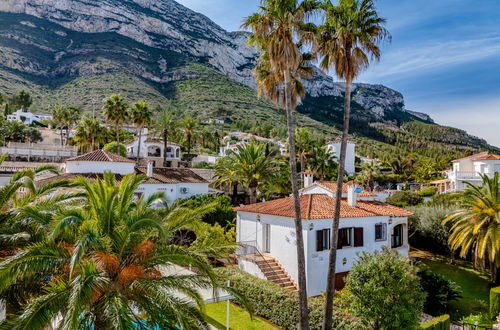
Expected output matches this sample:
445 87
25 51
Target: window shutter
326 239
384 232
319 240
340 239
358 237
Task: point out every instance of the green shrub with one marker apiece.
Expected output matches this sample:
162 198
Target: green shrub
440 291
116 148
404 198
279 305
427 192
478 321
495 302
438 323
222 212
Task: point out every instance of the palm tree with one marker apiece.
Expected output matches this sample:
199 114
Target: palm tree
190 128
58 120
89 134
253 166
111 264
274 29
225 175
140 116
70 117
347 40
115 112
369 171
165 125
476 225
321 163
304 144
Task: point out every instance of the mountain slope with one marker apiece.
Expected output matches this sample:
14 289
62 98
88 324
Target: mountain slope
159 50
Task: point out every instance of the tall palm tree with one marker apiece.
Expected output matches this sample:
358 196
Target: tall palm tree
165 125
190 128
140 116
89 134
349 37
115 112
275 28
71 117
253 166
476 225
111 265
321 164
58 114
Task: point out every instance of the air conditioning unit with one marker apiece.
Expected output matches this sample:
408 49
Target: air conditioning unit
184 190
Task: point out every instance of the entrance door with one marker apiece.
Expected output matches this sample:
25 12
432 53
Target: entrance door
266 238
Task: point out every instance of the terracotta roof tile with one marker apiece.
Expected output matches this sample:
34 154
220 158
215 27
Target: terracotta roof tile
100 156
478 155
488 157
332 186
320 206
171 175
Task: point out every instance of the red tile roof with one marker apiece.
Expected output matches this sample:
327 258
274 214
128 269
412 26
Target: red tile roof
100 156
489 157
171 175
478 155
332 186
320 206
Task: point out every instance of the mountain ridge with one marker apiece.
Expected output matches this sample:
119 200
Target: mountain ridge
145 49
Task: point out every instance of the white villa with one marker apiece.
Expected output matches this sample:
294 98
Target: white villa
152 149
350 161
174 182
468 169
27 118
242 139
266 233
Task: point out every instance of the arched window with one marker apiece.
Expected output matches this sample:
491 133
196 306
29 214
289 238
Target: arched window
177 153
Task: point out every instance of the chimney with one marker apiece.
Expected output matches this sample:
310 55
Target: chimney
352 197
149 172
308 179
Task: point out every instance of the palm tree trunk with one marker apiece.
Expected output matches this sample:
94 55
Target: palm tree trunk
301 263
189 145
139 146
117 135
332 262
61 134
253 194
234 194
165 146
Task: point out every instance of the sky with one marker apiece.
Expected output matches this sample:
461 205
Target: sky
444 56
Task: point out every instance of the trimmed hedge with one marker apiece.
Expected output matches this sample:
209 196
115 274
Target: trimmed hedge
279 305
495 302
442 322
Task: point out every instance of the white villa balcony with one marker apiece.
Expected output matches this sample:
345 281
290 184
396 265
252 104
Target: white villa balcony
461 175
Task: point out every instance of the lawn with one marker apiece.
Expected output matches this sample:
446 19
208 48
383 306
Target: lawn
475 286
239 318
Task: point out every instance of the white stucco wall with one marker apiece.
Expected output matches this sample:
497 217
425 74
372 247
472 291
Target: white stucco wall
99 167
350 160
174 191
283 244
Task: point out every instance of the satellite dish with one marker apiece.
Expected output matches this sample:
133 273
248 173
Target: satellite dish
359 190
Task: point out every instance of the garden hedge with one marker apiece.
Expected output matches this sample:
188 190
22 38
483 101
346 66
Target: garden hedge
442 322
279 305
495 302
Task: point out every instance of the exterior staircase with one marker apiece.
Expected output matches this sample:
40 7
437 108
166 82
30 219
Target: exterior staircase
273 271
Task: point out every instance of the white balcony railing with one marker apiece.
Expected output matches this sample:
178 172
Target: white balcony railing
461 175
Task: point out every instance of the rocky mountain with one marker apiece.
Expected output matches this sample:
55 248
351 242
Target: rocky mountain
160 50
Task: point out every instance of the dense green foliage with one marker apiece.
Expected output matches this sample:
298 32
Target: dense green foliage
404 198
440 291
495 302
279 305
222 212
442 322
397 304
425 228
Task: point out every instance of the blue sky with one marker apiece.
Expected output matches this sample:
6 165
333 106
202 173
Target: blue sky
444 56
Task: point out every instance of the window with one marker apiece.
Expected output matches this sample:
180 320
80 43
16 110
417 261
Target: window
380 232
397 237
350 237
323 240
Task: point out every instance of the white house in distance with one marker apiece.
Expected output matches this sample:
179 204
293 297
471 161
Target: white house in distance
175 183
235 139
468 169
350 161
27 118
266 233
153 149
